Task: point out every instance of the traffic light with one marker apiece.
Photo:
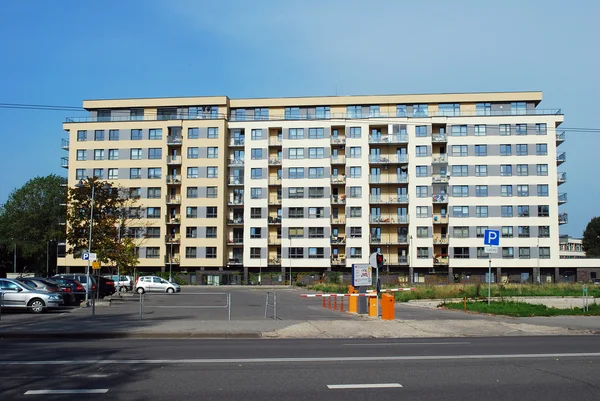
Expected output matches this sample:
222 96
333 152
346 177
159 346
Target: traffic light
380 260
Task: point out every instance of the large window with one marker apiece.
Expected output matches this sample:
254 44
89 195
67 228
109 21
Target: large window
296 192
316 133
521 129
81 135
99 154
135 154
459 150
506 190
316 232
81 154
458 130
508 252
460 211
192 172
420 110
296 232
256 154
355 172
316 212
155 153
505 170
541 149
524 252
481 191
354 111
460 191
113 135
542 190
505 150
316 172
355 152
541 129
522 170
113 174
296 172
483 109
212 172
505 129
99 135
481 211
154 193
296 213
523 211
421 130
461 253
542 169
355 132
480 150
355 252
256 173
481 170
135 173
136 134
155 134
460 232
449 109
213 153
296 153
522 150
296 133
460 171
507 232
296 253
522 190
316 153
421 171
507 211
193 153
211 212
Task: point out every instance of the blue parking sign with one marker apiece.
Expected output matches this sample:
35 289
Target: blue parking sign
491 238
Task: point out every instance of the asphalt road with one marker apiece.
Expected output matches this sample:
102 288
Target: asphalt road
523 368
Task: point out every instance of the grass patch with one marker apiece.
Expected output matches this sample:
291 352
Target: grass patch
522 309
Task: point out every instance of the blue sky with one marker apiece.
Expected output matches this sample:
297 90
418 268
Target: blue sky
61 52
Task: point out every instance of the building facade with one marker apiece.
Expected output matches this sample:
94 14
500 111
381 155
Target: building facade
318 183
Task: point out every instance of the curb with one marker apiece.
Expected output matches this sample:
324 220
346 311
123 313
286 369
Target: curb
125 335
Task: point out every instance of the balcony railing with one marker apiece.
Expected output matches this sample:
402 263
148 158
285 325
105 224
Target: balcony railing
274 220
387 159
338 179
274 141
439 138
439 219
172 259
562 198
173 238
339 261
235 162
64 181
388 219
238 200
388 179
388 199
174 140
338 199
388 239
339 240
394 138
274 161
563 218
274 201
338 141
274 262
236 142
440 239
439 158
441 261
235 240
439 198
173 219
338 159
173 160
337 220
64 144
274 240
439 178
173 179
560 137
64 162
274 181
235 221
236 180
235 261
561 178
561 158
173 199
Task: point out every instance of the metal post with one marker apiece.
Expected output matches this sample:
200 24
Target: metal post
1 303
89 284
539 274
171 262
229 306
376 292
274 306
15 259
489 280
93 307
141 304
266 305
118 270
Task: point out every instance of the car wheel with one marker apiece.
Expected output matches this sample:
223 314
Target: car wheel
140 290
36 305
170 290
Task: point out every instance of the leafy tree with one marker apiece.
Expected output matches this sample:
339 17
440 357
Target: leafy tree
591 238
30 218
113 213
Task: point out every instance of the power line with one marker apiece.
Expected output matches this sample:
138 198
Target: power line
39 107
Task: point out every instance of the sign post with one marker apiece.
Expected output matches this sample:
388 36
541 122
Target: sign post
491 240
362 277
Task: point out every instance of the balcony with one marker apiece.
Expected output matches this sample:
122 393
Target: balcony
64 144
274 161
337 220
238 200
172 260
561 158
236 221
274 240
274 221
439 138
173 199
379 199
439 178
402 260
174 179
174 140
338 199
274 180
274 262
176 220
561 178
388 219
235 180
235 240
440 239
562 199
387 159
234 142
64 182
173 238
439 198
439 219
338 159
235 261
64 162
337 240
441 261
388 179
173 160
439 158
274 201
560 138
338 179
383 139
340 260
235 162
274 141
338 140
563 218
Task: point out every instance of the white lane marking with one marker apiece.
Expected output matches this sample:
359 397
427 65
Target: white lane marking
355 386
79 391
385 344
298 360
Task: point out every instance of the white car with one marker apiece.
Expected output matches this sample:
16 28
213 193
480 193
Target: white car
122 283
155 284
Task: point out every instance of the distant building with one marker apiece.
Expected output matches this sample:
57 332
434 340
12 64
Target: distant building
570 248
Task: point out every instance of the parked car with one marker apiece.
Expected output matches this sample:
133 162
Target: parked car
48 285
16 294
81 278
106 287
72 287
122 283
155 284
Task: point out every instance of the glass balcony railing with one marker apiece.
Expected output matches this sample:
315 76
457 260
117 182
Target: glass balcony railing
173 179
65 144
388 179
561 158
338 159
439 138
560 137
562 198
439 178
173 199
439 198
236 142
64 162
388 219
173 160
174 139
338 179
563 218
340 140
561 178
439 158
440 239
386 159
440 219
274 161
235 162
385 199
236 180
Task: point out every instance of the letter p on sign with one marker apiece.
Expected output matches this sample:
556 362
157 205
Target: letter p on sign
491 238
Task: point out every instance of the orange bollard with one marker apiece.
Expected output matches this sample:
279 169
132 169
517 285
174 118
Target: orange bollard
329 303
372 304
387 307
342 306
335 303
324 302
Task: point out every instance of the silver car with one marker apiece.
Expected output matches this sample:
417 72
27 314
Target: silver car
155 284
14 294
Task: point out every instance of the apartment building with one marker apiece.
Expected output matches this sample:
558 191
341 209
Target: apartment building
318 183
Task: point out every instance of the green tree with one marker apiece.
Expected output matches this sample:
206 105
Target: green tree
113 213
30 218
591 238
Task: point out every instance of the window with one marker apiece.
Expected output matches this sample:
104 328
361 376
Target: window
155 153
355 152
355 172
99 135
135 154
153 212
255 193
81 136
212 172
81 154
355 211
522 150
99 154
460 171
193 133
239 114
316 153
507 232
316 133
191 212
481 191
458 130
422 253
318 172
255 213
459 150
135 173
113 154
213 153
421 130
523 231
507 211
480 150
449 109
521 129
255 232
461 253
212 192
318 193
191 232
505 170
355 252
256 154
192 153
292 113
522 170
507 252
154 193
113 135
155 134
481 211
460 232
322 112
542 190
483 109
316 253
296 213
136 134
354 111
524 252
296 172
522 190
541 129
211 252
422 191
506 190
256 134
542 169
211 232
113 173
480 231
355 192
355 232
505 150
355 132
99 173
523 211
211 212
254 253
541 149
422 232
518 108
374 111
460 191
544 252
256 173
422 211
152 252
420 110
296 232
296 153
296 253
316 212
544 231
213 133
136 114
192 172
316 232
192 192
481 253
296 192
421 171
135 193
460 211
481 170
505 129
296 133
421 151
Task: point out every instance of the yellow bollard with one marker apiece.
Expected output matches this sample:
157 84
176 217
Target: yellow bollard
353 301
373 306
387 307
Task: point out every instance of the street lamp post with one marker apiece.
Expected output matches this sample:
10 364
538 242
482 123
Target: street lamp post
171 263
88 286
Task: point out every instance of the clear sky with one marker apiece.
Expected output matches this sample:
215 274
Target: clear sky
61 52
